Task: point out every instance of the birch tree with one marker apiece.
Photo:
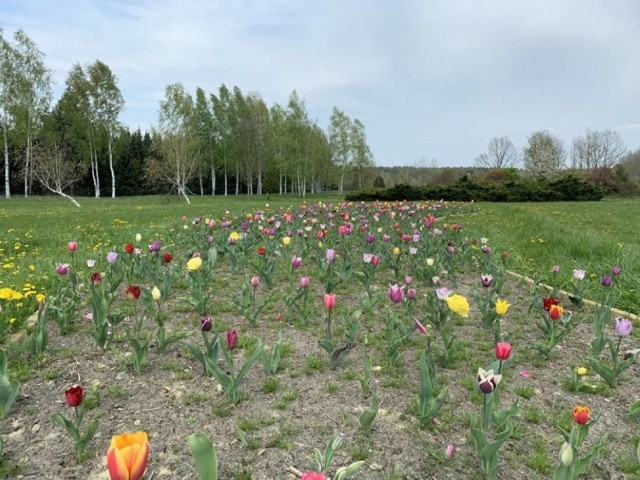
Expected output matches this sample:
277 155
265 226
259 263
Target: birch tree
105 105
361 153
598 149
340 129
8 97
173 142
54 169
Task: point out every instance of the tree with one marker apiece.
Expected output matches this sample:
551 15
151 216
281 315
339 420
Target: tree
631 164
500 154
544 154
105 105
205 137
340 132
598 149
174 162
55 170
8 99
361 153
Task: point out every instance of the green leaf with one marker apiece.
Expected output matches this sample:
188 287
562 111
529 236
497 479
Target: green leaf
204 455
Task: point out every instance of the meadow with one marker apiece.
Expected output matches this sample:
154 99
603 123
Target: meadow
320 336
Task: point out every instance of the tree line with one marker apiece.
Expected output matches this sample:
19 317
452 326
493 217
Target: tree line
223 142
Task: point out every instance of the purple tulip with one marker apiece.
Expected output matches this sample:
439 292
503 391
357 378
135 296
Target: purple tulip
395 293
443 293
623 326
112 257
155 246
411 293
616 270
62 268
296 262
486 280
330 255
606 281
555 269
371 238
206 323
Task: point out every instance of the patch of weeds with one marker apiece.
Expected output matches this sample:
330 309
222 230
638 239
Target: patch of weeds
270 385
361 449
314 364
222 409
68 352
116 391
628 463
533 414
20 371
177 368
51 374
286 398
392 382
31 410
92 398
286 350
194 398
538 458
243 473
348 375
526 392
332 388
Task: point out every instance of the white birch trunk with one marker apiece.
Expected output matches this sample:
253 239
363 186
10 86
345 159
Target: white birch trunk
113 175
7 183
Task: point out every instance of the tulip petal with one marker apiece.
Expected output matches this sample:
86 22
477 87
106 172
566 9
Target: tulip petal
116 465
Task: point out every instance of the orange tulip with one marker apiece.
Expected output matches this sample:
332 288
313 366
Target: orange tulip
127 456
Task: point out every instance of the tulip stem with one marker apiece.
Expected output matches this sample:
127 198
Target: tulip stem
329 325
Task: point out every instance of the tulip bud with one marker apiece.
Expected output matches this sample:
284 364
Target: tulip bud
255 281
232 340
503 351
72 246
396 295
62 268
304 282
411 293
138 237
566 454
430 262
330 255
329 301
155 294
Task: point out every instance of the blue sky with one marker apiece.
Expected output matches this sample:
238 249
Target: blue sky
432 81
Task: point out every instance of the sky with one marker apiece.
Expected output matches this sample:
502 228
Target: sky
432 80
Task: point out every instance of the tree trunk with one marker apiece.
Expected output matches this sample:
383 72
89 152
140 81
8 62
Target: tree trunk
113 174
27 161
213 181
200 180
226 181
259 187
7 183
237 179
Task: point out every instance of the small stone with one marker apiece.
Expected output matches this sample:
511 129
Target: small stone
121 375
376 467
35 428
136 423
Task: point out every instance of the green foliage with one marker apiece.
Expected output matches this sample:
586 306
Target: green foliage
204 456
8 388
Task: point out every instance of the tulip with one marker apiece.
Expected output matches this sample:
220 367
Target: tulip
138 237
408 280
555 312
232 340
486 280
286 241
581 415
194 264
606 281
367 257
487 380
96 278
155 294
73 396
295 261
623 326
395 293
396 251
304 282
112 257
330 255
62 268
411 293
313 476
443 293
375 261
91 263
329 301
206 323
458 304
616 270
129 248
548 302
430 262
127 456
421 328
167 257
72 246
579 274
555 269
133 292
502 307
503 351
155 246
255 281
566 454
582 371
262 251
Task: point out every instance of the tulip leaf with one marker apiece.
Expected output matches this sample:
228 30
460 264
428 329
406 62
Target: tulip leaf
204 456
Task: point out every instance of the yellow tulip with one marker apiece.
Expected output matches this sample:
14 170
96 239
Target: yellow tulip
127 456
396 251
458 304
582 371
502 307
155 294
194 264
286 240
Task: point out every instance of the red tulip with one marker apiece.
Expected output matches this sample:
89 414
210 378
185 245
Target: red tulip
167 257
313 476
129 248
555 312
550 301
73 396
232 340
262 251
133 292
581 415
503 351
72 246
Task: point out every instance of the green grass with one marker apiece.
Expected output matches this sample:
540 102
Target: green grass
593 236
